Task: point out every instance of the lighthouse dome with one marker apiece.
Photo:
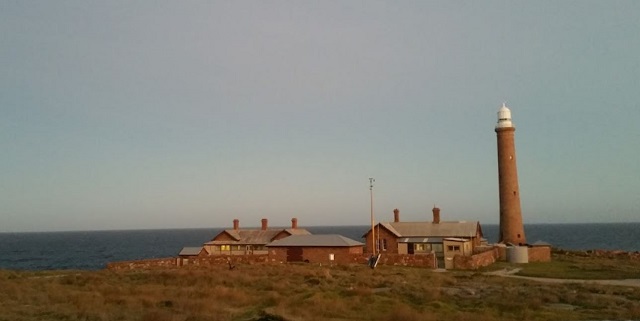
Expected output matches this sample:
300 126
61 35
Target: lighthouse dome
504 117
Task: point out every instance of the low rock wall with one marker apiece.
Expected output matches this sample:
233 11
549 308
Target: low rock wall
419 260
225 259
476 261
426 261
143 264
610 254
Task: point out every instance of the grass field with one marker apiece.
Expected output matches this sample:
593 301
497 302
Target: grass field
309 292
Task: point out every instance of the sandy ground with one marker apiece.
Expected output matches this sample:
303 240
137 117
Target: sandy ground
511 274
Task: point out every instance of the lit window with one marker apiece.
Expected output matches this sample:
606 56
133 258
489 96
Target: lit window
225 247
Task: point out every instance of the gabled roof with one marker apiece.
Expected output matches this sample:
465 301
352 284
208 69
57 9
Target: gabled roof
461 229
254 236
331 240
191 251
297 231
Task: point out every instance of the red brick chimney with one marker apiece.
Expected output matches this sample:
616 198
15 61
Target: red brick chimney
236 224
294 223
264 224
436 215
396 215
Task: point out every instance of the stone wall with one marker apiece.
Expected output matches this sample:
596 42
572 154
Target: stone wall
420 260
143 264
188 261
476 261
610 254
279 255
341 255
320 256
225 259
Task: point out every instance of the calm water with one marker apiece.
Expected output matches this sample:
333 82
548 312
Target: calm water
93 250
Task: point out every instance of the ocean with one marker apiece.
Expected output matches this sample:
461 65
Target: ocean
92 250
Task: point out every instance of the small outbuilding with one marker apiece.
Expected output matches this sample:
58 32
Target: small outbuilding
190 253
455 246
319 248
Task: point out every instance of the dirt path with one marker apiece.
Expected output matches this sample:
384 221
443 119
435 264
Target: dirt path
511 274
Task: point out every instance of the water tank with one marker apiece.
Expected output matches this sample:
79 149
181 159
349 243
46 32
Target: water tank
518 254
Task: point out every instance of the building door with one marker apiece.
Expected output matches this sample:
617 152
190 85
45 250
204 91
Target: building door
410 248
441 261
294 254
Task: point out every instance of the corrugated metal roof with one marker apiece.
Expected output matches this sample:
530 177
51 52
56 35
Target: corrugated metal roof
429 229
190 250
456 239
332 240
420 240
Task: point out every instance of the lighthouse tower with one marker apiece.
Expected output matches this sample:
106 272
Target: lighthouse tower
511 227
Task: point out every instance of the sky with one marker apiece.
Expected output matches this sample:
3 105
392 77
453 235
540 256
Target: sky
186 114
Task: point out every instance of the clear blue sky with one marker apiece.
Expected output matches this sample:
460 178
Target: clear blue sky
170 114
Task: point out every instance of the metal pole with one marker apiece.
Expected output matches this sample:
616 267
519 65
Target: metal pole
373 231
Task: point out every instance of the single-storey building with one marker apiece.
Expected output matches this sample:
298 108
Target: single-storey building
320 248
190 253
417 238
239 241
453 246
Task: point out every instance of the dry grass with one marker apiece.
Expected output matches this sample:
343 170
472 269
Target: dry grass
302 292
578 267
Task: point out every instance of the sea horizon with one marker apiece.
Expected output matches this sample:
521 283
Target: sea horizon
282 226
91 250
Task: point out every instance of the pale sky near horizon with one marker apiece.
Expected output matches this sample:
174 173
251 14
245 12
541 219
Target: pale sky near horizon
178 114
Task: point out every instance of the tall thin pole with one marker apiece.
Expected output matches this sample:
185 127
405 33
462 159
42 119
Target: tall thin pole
373 231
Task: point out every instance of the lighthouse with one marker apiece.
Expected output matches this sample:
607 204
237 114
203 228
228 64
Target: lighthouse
511 227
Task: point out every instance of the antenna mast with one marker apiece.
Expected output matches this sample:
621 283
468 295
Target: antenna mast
373 232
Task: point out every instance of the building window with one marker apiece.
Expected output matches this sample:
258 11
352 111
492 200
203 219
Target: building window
381 244
422 247
225 247
453 248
